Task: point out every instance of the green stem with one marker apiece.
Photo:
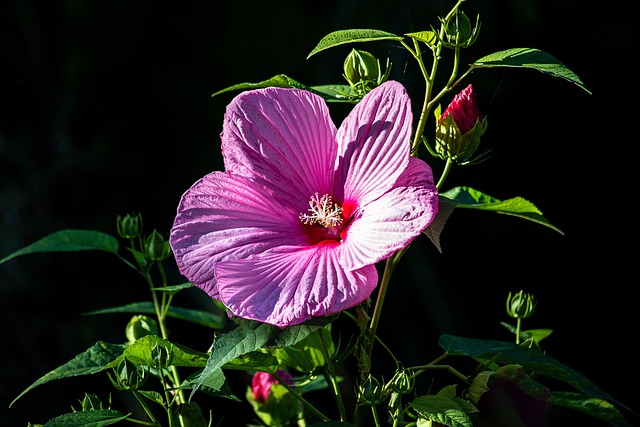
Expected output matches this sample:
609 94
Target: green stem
330 377
298 396
518 323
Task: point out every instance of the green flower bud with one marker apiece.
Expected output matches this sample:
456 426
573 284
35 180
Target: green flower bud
459 128
363 72
160 356
520 305
458 30
140 326
371 392
130 226
127 376
402 382
156 247
90 402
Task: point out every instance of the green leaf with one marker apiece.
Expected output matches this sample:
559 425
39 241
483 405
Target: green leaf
341 37
139 353
430 38
247 336
595 407
93 418
254 361
330 93
529 58
469 198
199 317
173 289
69 241
532 359
94 360
442 410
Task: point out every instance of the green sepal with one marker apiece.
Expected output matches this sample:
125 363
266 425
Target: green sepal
341 37
69 241
529 58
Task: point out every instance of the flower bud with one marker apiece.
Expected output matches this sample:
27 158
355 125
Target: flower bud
156 247
521 305
402 382
160 356
362 71
90 402
458 31
371 392
460 127
127 376
130 226
140 326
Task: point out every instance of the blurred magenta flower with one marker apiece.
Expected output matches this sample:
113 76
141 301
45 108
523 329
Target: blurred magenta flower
262 381
293 228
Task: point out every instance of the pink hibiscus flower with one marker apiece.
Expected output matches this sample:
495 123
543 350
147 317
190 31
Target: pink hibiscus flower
294 226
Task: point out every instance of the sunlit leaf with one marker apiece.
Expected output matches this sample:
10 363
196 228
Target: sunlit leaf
469 198
93 418
529 58
341 37
140 353
330 93
94 360
442 410
69 241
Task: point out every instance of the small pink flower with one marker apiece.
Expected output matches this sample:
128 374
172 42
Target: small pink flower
262 381
295 225
465 111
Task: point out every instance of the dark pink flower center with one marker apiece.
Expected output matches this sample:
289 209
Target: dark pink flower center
326 218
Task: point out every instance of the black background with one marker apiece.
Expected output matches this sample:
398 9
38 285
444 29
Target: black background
106 109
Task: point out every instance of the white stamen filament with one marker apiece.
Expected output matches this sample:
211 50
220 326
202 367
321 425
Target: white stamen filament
323 212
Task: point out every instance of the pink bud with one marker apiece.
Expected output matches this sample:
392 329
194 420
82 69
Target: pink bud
262 381
464 109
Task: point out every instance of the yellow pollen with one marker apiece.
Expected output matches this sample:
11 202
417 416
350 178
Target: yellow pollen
323 212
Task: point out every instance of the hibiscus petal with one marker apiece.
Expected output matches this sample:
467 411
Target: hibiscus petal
222 217
389 223
374 141
283 136
287 286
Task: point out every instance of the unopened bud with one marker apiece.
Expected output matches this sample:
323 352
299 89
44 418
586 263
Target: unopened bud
460 128
156 247
140 326
130 226
520 305
363 72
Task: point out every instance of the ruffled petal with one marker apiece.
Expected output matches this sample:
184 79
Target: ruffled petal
374 143
223 216
282 136
389 223
287 286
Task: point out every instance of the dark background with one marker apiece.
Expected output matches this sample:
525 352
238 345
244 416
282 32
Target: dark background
106 109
